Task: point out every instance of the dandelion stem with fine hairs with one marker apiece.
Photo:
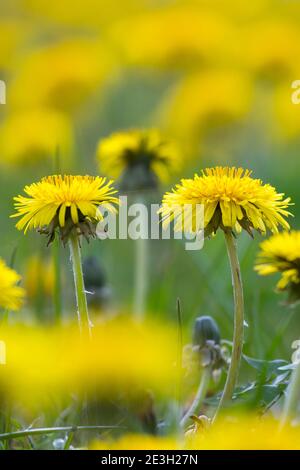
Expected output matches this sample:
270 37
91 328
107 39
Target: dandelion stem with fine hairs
238 334
200 395
82 309
141 268
57 281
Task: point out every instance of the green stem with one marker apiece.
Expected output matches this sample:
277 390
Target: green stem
69 440
57 281
238 334
200 395
41 431
292 398
140 277
141 268
82 310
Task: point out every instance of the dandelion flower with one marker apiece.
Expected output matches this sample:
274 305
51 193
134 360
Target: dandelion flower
281 254
137 442
232 200
73 205
40 132
205 101
65 202
39 277
246 432
140 157
63 75
175 39
119 357
270 48
13 33
11 295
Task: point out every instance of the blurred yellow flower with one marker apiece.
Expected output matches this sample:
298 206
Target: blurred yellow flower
32 137
12 33
270 47
39 276
138 151
171 37
62 75
281 254
137 442
245 433
91 13
11 294
122 355
232 199
65 202
287 110
206 100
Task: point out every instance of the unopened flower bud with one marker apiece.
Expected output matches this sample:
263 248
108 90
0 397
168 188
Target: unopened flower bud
205 329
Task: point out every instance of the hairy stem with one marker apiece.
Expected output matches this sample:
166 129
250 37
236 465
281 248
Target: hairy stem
238 334
57 281
82 310
141 268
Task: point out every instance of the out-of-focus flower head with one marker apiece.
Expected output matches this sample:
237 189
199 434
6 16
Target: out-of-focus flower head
62 75
97 290
137 442
246 432
270 48
91 13
33 137
287 110
141 158
66 203
39 276
12 32
232 200
171 37
206 100
122 356
11 294
281 254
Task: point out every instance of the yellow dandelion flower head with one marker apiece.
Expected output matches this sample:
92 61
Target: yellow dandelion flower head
11 294
118 359
39 276
40 132
174 32
63 74
231 199
65 202
137 442
205 101
270 48
245 432
138 151
281 254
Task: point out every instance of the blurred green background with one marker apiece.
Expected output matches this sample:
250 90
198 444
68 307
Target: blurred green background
136 92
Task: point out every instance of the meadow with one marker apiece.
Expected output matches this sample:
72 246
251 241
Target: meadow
148 95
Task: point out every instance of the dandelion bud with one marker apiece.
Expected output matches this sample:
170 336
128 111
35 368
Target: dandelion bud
98 292
205 329
93 272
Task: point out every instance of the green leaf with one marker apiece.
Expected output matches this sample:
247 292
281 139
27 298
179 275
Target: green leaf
266 368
